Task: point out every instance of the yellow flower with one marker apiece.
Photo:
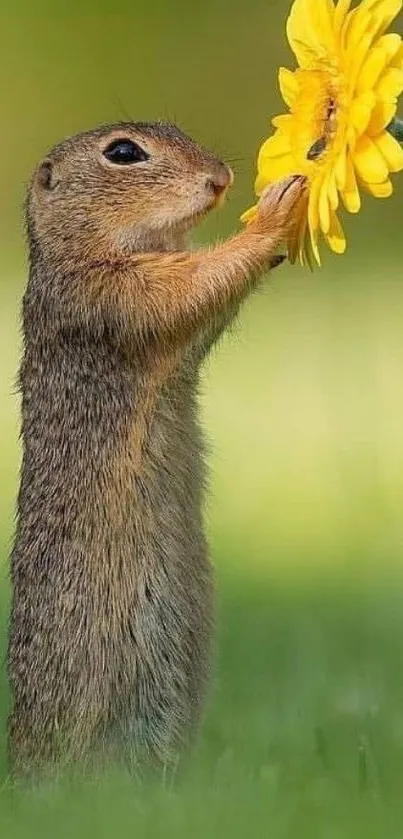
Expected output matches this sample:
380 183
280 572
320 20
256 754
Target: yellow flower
341 99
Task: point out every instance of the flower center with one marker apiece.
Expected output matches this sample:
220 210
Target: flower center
316 111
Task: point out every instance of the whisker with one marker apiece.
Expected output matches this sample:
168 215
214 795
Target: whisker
123 113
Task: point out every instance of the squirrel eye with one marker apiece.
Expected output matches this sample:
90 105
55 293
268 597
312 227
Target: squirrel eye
125 152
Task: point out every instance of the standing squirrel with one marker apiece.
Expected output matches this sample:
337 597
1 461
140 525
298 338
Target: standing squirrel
112 586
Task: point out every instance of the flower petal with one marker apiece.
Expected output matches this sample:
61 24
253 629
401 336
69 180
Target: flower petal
384 190
391 151
313 216
382 115
350 194
298 231
361 111
306 256
324 206
312 18
369 162
284 122
390 84
314 236
273 170
249 215
341 11
276 146
390 44
336 238
398 59
322 19
382 13
288 82
310 29
313 204
357 24
376 62
333 193
341 169
359 56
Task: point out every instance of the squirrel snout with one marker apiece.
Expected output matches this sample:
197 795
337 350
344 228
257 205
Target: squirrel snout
220 180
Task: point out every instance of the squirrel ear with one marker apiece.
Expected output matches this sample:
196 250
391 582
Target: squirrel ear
46 175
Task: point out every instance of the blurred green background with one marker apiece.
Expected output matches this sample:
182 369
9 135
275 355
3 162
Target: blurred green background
304 407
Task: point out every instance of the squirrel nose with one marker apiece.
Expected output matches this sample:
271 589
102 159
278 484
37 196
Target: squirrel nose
220 179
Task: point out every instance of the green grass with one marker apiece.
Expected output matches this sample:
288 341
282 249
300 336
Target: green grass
303 737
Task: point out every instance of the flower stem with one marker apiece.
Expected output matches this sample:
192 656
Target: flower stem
395 128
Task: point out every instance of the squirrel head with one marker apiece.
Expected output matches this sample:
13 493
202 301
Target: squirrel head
122 188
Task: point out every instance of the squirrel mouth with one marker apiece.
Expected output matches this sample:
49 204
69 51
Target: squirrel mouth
212 203
219 200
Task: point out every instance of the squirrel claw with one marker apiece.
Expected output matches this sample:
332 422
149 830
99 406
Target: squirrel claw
277 260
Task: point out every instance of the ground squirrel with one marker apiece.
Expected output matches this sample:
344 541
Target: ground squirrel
112 590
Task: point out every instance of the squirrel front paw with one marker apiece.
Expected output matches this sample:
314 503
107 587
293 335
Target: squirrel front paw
277 205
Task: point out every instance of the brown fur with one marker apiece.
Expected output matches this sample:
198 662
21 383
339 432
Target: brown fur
112 586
